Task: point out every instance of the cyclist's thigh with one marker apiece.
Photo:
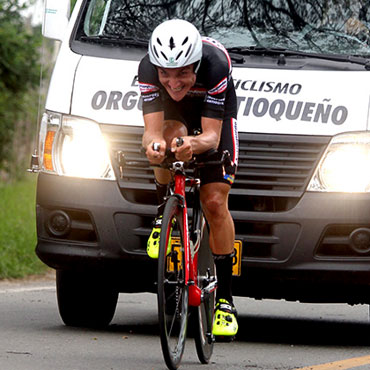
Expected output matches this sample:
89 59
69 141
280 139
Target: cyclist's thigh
229 142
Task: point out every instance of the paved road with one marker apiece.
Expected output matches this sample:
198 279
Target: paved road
274 335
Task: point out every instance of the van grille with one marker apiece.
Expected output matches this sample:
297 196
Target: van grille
273 170
278 165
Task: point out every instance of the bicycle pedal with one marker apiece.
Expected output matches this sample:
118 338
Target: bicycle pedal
210 338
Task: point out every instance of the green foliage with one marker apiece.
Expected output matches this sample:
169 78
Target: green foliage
73 2
18 230
19 73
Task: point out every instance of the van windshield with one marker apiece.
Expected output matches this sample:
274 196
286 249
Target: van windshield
313 26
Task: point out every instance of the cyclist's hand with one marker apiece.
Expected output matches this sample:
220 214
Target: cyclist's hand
183 152
155 151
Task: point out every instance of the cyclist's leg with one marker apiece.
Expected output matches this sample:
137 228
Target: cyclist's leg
216 184
214 197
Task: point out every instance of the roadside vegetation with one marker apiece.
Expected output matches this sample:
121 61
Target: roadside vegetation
18 229
22 53
19 81
20 61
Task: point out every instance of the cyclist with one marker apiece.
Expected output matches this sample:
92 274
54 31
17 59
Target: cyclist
187 90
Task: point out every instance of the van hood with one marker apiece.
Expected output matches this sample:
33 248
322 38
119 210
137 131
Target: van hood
302 102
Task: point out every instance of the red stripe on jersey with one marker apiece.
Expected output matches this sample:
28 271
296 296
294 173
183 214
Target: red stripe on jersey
146 88
215 43
219 88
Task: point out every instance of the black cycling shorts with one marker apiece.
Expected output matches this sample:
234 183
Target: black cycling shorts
189 113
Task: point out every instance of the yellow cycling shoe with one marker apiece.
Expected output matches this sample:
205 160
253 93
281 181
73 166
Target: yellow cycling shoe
152 248
225 325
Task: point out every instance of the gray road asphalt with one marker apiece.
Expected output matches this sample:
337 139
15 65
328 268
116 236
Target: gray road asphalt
274 335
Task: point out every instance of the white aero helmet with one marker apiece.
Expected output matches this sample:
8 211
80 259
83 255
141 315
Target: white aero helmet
175 43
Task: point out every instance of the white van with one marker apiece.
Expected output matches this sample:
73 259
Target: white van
300 202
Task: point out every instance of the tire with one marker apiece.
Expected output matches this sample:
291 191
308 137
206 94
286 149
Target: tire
85 299
202 316
172 292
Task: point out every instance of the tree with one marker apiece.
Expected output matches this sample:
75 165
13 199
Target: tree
19 73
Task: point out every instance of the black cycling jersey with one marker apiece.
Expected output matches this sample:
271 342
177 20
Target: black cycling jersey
213 96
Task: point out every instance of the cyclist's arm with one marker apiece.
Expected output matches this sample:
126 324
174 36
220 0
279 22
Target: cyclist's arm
208 139
210 136
153 133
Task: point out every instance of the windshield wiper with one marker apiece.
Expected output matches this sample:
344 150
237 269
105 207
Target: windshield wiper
255 50
115 40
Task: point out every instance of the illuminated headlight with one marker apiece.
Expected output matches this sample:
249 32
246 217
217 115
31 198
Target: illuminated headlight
345 165
73 146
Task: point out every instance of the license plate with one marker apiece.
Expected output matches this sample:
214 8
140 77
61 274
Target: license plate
237 260
176 246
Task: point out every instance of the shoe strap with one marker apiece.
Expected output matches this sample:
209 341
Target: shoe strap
157 222
226 307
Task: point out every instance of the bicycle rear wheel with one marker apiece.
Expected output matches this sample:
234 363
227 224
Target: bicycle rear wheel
202 320
172 291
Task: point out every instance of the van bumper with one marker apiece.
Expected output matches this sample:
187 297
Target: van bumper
87 224
319 251
308 253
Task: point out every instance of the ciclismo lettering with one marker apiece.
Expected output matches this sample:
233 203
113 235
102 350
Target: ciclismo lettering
279 109
268 87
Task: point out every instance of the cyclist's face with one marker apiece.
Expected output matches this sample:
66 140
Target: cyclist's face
177 81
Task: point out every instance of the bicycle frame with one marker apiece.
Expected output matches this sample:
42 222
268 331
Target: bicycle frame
196 294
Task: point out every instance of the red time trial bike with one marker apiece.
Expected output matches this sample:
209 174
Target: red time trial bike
186 271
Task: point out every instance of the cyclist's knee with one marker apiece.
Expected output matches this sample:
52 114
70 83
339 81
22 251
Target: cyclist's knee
214 205
173 129
214 202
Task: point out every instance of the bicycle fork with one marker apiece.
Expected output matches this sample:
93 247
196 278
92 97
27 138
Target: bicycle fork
196 294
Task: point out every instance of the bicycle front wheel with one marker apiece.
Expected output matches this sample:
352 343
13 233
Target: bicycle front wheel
172 290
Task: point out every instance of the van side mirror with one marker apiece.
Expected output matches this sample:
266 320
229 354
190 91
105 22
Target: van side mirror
55 21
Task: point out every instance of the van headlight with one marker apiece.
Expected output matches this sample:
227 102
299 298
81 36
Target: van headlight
344 166
73 146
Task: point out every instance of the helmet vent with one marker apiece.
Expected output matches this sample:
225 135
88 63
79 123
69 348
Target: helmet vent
172 43
164 55
178 55
185 40
188 51
155 51
159 41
